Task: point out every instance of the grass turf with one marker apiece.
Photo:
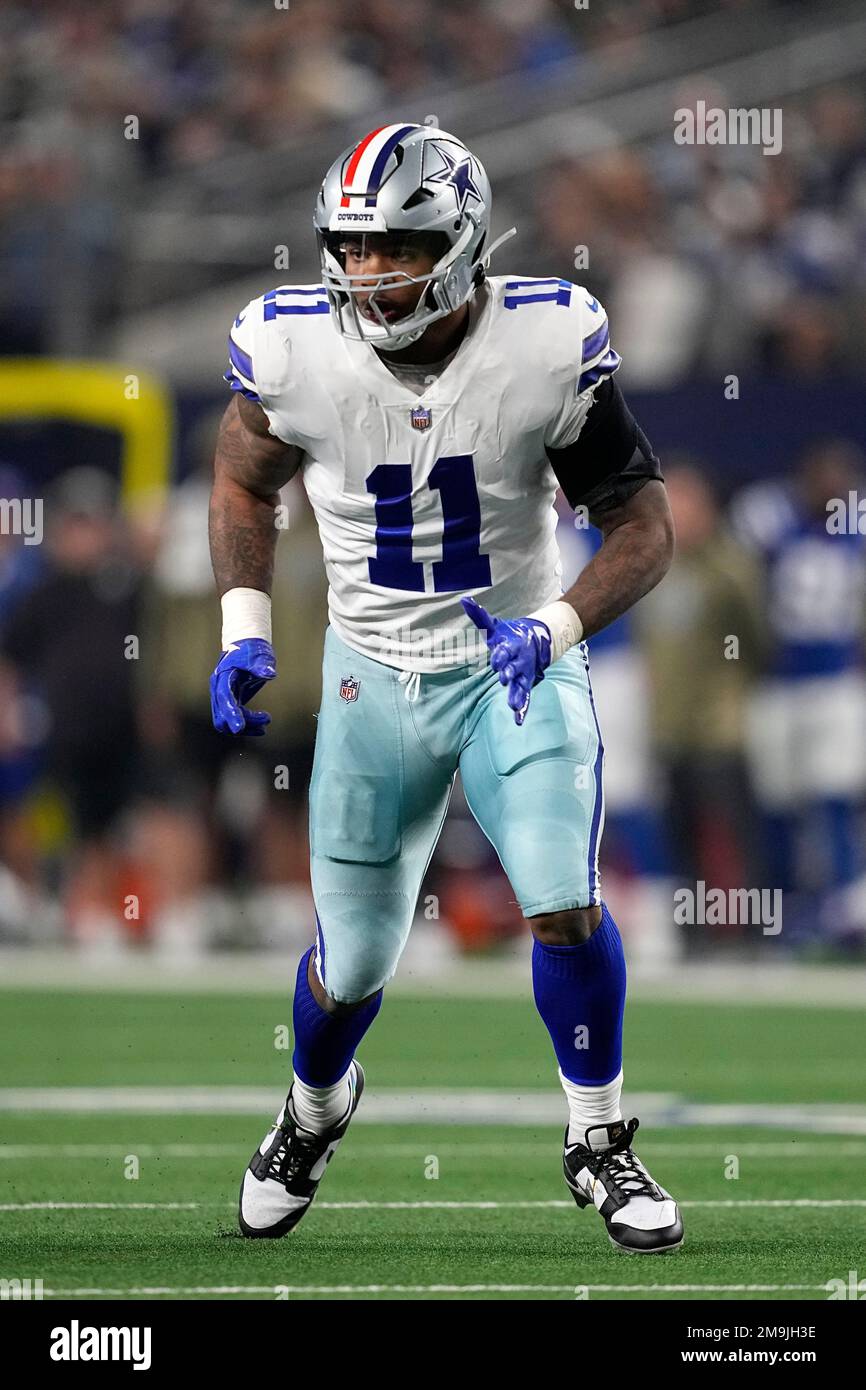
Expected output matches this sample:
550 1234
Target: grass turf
708 1053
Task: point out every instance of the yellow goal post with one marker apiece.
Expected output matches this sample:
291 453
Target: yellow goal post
104 395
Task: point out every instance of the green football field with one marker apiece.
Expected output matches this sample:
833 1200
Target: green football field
126 1120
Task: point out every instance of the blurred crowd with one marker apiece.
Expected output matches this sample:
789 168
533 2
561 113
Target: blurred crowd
732 703
748 262
213 78
744 258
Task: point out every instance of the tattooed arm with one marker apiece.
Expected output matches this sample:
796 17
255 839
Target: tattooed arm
636 553
250 467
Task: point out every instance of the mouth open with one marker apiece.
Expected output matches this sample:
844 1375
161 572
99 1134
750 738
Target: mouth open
389 313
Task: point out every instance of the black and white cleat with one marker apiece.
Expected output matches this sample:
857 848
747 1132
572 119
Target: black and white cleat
641 1217
284 1173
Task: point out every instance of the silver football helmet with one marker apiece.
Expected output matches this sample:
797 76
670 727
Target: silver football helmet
405 180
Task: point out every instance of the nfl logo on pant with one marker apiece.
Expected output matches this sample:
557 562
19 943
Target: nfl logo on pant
349 688
422 418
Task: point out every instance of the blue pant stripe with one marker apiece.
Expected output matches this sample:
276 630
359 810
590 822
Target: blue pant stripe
598 807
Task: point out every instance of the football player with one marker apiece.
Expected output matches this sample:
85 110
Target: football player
432 411
806 732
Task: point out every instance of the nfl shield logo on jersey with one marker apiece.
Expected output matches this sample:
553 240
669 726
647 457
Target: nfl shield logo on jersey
422 418
349 688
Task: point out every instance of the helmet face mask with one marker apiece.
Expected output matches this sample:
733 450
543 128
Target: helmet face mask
374 307
419 191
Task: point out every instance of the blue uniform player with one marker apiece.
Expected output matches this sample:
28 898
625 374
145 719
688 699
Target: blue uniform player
807 734
432 412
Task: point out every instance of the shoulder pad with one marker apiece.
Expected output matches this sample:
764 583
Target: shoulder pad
257 356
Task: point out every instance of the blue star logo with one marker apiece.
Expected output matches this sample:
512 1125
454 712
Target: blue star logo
458 173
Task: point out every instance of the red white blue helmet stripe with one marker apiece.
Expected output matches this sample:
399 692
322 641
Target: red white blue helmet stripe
363 176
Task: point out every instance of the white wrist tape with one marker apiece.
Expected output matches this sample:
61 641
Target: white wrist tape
566 629
246 614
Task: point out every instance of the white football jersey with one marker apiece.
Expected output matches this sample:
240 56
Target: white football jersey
421 499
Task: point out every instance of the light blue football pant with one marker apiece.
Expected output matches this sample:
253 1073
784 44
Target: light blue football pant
383 772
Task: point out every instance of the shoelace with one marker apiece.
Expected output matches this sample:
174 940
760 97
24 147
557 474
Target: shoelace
623 1166
297 1151
293 1155
411 682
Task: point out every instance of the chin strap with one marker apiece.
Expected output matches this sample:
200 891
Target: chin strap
385 344
398 343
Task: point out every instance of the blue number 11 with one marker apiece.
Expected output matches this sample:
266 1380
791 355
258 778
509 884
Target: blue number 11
462 566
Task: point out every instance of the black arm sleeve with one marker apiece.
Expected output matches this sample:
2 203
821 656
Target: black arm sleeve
611 458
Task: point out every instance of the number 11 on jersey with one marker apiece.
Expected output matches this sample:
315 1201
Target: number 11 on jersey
462 565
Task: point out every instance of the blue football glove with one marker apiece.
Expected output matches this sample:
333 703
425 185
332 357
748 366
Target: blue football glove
520 652
240 675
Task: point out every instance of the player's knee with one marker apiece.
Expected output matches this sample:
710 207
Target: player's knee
361 939
337 1007
340 1007
571 927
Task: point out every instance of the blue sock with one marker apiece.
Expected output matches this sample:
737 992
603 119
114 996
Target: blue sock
780 836
580 994
841 820
325 1043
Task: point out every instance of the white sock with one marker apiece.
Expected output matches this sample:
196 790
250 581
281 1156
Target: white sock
591 1105
319 1108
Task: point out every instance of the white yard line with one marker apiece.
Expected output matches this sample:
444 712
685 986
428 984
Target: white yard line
14 1152
107 1206
773 981
790 1149
449 1107
385 1105
551 1204
287 1290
